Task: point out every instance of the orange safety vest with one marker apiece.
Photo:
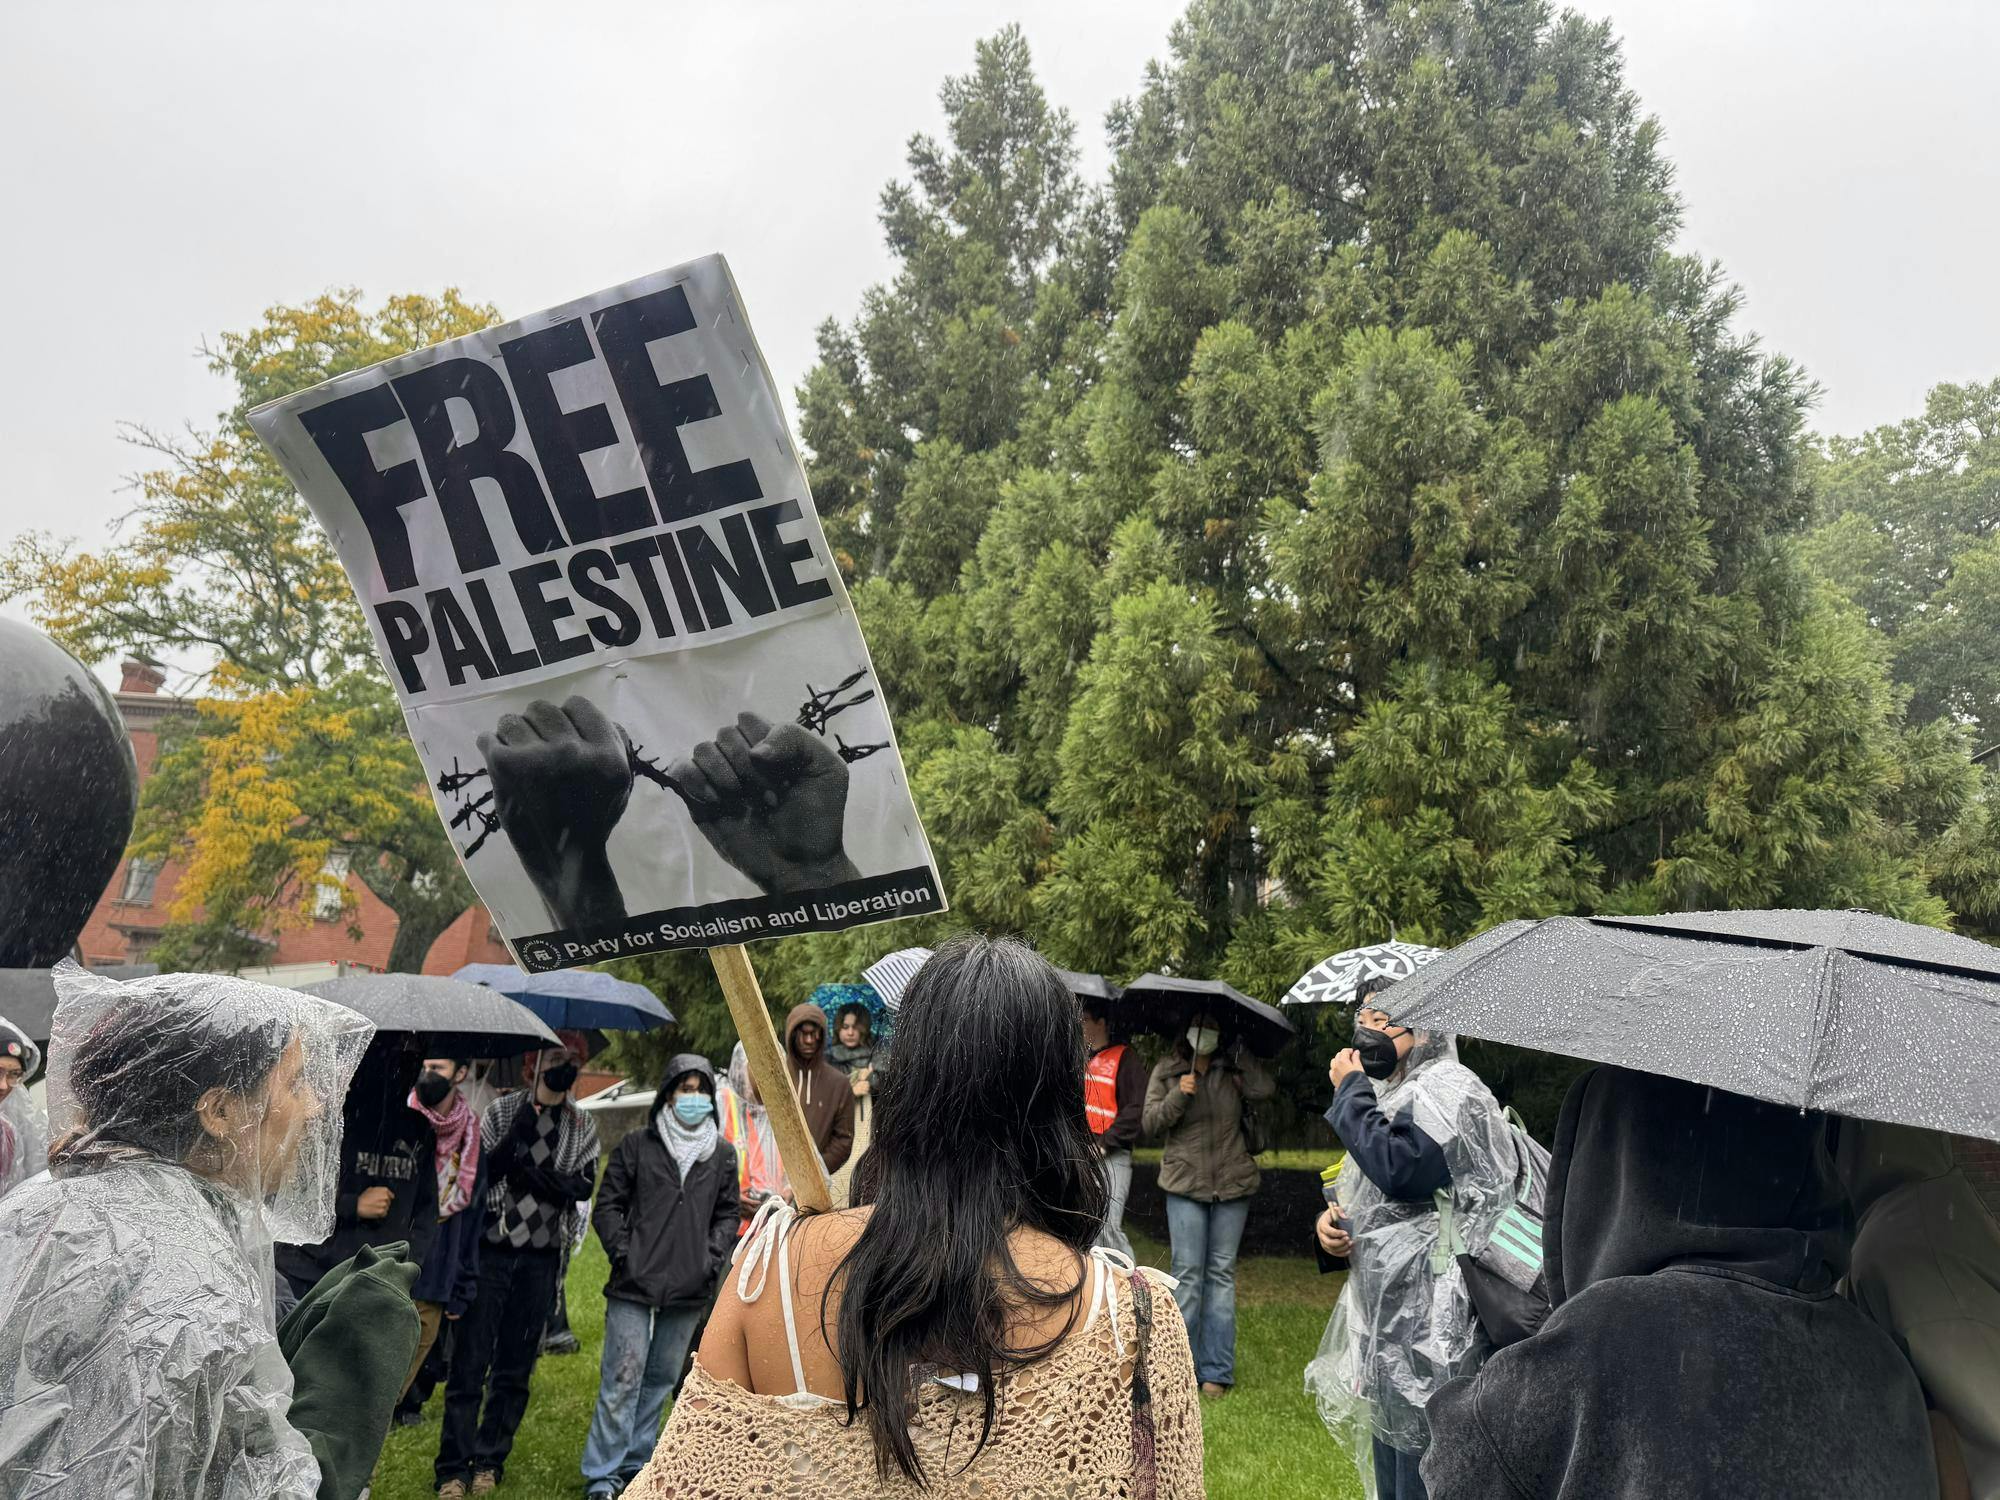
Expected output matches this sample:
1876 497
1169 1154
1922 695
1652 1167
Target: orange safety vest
752 1170
1100 1087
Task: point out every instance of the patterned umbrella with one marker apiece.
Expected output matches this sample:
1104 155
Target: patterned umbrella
834 998
1334 981
891 975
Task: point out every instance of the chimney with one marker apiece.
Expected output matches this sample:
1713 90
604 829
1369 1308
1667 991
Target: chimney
140 677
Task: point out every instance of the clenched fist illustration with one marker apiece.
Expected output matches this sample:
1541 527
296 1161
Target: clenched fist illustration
561 778
773 802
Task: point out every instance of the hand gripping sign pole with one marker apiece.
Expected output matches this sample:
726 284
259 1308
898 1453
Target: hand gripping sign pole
766 1057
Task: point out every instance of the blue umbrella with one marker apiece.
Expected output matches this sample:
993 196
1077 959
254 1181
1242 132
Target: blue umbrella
573 999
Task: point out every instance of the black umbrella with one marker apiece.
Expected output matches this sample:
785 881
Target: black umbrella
1846 1012
1163 1002
28 996
458 1019
1089 986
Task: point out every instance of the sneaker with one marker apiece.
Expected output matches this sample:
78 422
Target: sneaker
452 1489
405 1417
604 1489
485 1482
561 1343
1212 1389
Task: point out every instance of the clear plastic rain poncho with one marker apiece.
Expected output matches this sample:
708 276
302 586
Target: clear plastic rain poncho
24 1132
1404 1324
196 1120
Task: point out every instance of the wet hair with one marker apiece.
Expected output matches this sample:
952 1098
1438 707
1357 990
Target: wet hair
707 1083
931 1280
139 1075
860 1013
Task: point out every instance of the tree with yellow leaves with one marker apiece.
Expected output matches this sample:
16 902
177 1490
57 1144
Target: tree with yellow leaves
298 750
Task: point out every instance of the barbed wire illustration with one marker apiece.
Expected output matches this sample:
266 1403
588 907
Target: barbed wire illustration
814 714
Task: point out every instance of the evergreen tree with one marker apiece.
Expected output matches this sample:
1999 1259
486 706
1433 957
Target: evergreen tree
1354 519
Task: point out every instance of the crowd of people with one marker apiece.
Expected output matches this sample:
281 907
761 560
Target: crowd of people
263 1235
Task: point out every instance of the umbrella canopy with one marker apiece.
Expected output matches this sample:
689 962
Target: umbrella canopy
574 999
1162 1002
1845 1012
1089 986
28 996
834 998
459 1020
1334 981
891 975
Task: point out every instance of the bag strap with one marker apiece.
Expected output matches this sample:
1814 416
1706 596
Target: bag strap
1450 1238
1145 1450
1520 1127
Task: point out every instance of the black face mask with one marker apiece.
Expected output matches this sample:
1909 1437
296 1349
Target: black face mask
432 1089
1379 1057
560 1077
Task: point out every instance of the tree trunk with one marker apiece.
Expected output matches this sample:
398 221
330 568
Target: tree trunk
424 906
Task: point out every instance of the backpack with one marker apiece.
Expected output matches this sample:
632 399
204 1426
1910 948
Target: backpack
1509 1290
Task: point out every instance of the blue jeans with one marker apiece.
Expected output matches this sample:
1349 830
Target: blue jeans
644 1350
1205 1237
1117 1187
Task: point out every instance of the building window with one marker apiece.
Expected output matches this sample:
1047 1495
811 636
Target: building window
140 877
327 897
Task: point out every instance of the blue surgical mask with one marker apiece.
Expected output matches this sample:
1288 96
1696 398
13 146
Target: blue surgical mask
692 1109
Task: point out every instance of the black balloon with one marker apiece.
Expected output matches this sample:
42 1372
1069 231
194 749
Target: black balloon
68 791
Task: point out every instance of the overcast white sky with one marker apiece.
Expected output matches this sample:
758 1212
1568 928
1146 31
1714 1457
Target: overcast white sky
171 170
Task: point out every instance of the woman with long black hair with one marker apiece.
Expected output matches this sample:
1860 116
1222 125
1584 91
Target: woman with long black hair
956 1333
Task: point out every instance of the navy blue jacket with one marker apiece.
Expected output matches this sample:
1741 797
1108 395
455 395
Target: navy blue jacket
451 1268
1392 1152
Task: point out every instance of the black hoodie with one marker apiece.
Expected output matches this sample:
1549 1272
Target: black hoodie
1697 1347
383 1143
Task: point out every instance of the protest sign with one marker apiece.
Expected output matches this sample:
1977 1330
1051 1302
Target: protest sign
595 574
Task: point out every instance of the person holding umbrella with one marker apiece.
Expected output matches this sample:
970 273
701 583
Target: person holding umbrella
1195 1106
1698 1345
1114 1096
387 1149
541 1159
1417 1124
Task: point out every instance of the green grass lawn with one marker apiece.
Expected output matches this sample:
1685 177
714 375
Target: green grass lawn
1264 1440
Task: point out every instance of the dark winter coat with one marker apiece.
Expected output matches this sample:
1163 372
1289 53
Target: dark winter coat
667 1239
1697 1347
384 1143
1203 1155
824 1092
450 1275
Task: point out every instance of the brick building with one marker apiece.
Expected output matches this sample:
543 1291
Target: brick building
129 917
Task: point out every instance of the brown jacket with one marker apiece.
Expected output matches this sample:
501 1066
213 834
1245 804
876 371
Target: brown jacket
1203 1155
824 1092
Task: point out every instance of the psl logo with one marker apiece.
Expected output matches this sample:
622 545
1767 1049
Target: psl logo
540 954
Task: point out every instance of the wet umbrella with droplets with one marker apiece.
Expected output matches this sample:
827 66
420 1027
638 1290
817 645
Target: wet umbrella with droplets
1163 1003
1846 1012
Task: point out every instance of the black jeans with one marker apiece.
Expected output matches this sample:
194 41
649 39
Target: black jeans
498 1341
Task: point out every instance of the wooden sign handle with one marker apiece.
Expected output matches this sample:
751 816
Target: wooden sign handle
810 1189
